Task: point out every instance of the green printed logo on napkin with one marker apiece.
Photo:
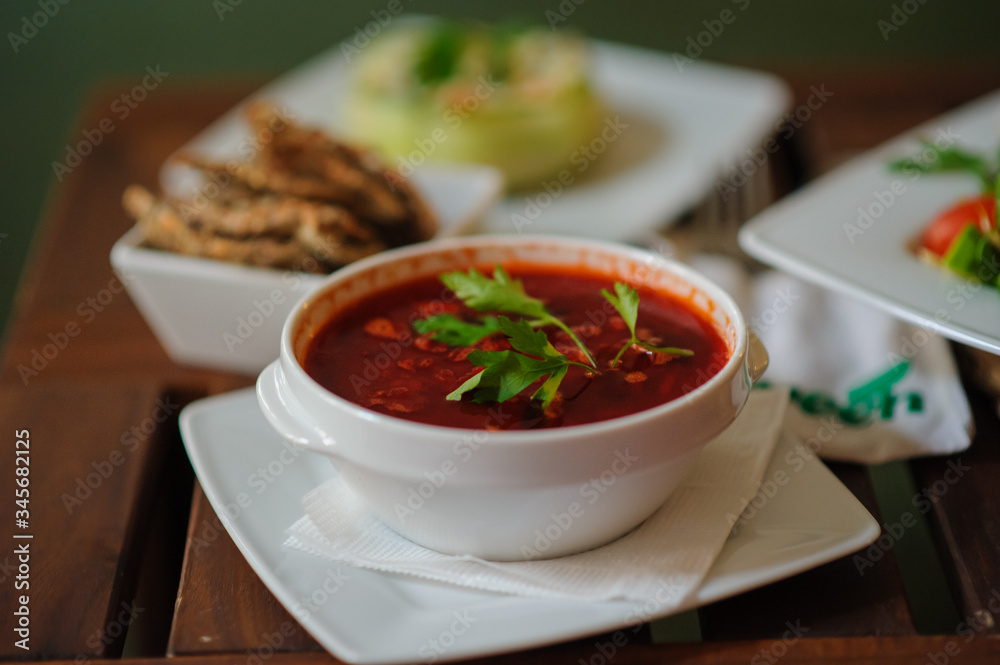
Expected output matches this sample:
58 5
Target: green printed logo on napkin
871 399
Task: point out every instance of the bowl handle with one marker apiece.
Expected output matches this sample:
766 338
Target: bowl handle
757 358
285 413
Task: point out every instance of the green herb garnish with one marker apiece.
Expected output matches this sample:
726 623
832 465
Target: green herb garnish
950 160
507 373
438 59
453 331
503 294
974 251
532 356
626 300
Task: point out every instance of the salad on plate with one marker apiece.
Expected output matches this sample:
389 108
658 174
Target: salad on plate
963 238
512 96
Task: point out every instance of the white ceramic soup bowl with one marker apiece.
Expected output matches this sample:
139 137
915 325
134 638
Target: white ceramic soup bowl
509 495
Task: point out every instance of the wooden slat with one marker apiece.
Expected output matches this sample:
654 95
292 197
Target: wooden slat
88 492
222 606
832 600
828 651
102 381
980 650
961 498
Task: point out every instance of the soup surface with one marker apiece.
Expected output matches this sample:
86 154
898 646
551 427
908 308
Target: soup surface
372 355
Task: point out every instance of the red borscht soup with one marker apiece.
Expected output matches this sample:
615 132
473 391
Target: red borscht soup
373 355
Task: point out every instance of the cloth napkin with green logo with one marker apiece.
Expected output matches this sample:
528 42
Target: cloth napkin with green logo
864 386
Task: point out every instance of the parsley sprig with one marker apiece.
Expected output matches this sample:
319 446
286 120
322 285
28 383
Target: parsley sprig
951 159
532 357
972 253
625 299
453 331
503 294
507 373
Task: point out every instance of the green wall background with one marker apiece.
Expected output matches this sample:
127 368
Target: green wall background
85 42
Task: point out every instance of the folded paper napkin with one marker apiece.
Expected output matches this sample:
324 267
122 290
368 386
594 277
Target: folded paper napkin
865 387
664 559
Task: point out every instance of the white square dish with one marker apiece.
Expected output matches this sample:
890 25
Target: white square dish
363 616
209 313
851 230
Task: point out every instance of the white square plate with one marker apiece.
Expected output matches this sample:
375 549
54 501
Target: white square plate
363 616
849 231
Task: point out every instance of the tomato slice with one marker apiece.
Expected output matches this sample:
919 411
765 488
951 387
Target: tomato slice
980 211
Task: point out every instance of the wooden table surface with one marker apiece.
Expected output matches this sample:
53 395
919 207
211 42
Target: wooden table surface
138 561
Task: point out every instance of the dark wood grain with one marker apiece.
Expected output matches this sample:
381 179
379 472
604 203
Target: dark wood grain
88 497
960 496
825 651
222 606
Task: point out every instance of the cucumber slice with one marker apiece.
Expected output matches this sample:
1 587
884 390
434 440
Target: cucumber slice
964 252
972 255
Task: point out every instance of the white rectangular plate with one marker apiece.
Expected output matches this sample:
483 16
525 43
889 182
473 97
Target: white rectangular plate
850 230
256 484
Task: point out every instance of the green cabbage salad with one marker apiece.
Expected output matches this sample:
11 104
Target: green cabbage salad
515 97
